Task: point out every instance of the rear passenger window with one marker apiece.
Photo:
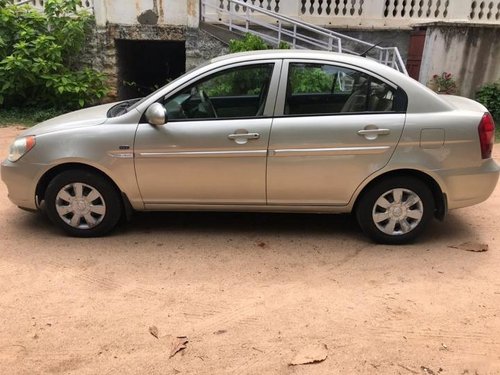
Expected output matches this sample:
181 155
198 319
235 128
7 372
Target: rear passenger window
323 89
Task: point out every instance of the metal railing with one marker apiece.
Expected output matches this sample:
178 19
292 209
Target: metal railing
276 28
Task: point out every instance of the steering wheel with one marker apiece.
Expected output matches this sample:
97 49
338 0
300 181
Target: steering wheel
206 102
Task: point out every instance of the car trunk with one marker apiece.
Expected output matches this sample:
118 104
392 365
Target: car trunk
464 104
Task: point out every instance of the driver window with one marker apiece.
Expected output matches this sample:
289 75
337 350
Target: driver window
234 93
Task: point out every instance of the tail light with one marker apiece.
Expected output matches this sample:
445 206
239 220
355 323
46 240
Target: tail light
486 135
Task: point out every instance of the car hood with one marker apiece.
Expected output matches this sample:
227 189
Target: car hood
82 118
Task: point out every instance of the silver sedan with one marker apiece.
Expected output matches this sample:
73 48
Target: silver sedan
296 131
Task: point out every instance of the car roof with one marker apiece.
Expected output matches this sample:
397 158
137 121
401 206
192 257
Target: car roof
290 53
303 54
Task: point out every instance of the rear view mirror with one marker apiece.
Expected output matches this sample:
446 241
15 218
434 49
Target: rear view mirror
156 114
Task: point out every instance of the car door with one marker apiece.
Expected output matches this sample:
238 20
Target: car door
335 125
213 148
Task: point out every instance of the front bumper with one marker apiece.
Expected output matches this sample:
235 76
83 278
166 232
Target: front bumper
21 180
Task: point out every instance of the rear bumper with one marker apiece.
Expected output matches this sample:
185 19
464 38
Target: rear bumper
470 186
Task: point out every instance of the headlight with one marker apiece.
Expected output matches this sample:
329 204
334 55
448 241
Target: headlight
20 147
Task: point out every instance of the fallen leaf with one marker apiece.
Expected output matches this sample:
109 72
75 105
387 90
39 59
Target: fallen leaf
178 344
154 331
310 354
220 332
471 246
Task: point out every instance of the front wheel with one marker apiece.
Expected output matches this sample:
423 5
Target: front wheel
395 210
82 203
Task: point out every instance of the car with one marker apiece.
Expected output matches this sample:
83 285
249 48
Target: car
270 131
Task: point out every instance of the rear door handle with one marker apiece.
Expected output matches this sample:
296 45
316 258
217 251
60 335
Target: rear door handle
244 136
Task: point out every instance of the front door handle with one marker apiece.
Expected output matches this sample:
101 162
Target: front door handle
237 136
374 131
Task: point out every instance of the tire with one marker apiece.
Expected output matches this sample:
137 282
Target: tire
83 204
395 210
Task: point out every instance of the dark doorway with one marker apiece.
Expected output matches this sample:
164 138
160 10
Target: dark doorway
415 52
145 65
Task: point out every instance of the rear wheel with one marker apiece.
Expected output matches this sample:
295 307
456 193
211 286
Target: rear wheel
396 210
83 203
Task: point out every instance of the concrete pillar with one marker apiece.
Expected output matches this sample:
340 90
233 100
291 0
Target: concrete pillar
193 13
100 12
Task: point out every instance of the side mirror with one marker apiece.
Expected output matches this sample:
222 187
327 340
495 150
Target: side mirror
156 114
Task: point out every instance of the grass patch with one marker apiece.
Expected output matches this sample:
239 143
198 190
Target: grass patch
27 117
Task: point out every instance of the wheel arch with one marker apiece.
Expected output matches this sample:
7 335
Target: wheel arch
44 181
439 196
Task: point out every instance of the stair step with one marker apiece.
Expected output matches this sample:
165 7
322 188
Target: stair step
223 34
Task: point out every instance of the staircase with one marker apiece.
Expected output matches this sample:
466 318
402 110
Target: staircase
225 18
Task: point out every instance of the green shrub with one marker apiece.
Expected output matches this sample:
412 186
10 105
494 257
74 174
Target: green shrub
249 43
444 83
39 57
284 45
489 96
311 80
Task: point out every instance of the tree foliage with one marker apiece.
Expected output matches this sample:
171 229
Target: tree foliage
39 56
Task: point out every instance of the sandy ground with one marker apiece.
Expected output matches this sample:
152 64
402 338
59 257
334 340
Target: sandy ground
249 291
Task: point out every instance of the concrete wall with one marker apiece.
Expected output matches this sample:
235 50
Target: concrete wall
147 12
470 53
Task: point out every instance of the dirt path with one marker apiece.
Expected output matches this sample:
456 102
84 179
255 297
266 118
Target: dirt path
249 291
